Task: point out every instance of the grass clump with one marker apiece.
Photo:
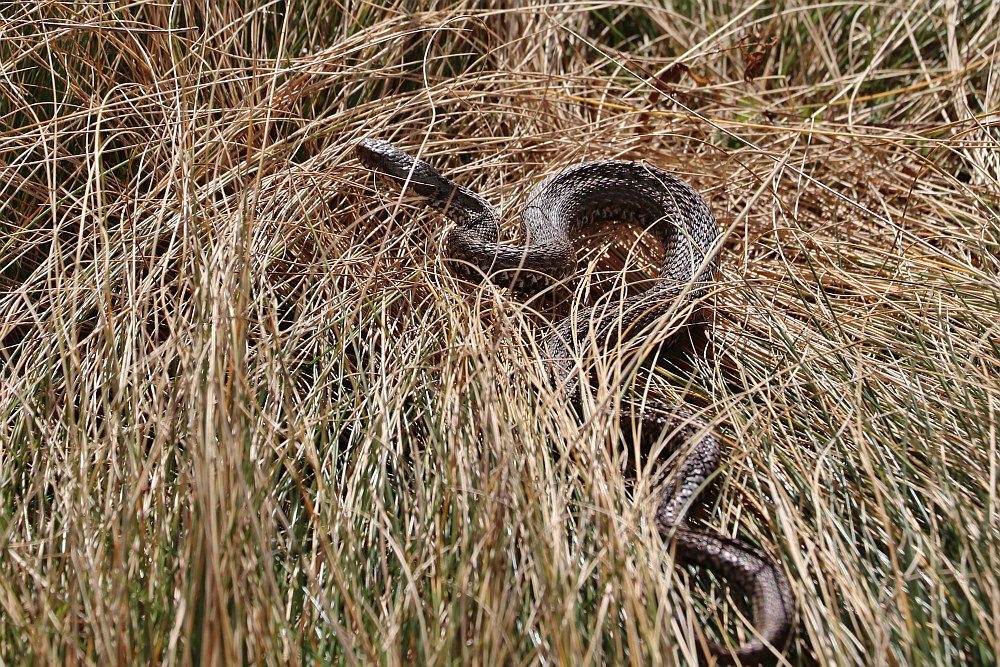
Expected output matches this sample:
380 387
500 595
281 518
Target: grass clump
247 416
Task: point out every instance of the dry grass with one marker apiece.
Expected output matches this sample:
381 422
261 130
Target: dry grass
247 417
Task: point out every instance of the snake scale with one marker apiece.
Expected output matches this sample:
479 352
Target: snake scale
574 199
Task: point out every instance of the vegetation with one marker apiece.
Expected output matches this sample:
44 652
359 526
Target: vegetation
247 416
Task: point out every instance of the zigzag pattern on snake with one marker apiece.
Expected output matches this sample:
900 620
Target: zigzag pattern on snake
576 198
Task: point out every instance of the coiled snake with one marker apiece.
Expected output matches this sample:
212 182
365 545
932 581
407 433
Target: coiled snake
579 197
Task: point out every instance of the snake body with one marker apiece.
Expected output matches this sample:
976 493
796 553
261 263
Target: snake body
574 199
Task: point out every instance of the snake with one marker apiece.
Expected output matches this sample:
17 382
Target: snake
581 198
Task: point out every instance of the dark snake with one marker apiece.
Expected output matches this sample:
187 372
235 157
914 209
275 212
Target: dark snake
575 199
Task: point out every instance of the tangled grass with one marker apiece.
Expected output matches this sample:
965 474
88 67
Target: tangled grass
247 417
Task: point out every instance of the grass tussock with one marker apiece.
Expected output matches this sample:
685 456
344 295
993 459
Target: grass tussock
246 416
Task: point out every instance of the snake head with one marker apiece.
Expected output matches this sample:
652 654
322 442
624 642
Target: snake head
421 179
388 161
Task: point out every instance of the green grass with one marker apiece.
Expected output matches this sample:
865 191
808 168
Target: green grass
246 415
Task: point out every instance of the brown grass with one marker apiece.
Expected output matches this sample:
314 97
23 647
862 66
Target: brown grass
247 416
